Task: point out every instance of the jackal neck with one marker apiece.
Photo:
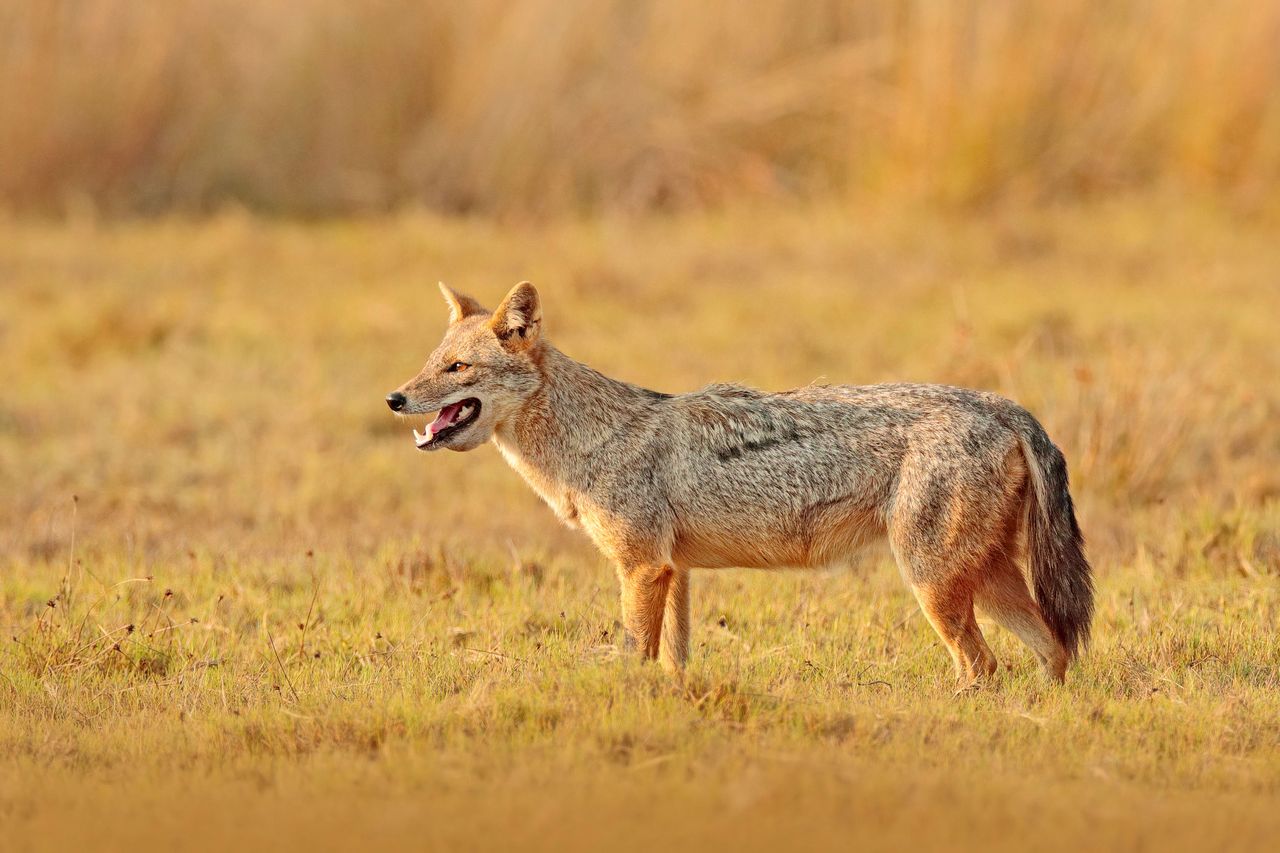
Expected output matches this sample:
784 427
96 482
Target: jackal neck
561 434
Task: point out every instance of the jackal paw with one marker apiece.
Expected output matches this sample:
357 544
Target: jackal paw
968 686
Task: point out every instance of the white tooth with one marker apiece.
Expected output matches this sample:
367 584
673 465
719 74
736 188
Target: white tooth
416 437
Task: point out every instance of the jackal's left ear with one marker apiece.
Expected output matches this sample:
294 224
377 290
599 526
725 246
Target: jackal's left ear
460 307
518 319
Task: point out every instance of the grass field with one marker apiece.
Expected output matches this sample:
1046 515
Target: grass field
239 608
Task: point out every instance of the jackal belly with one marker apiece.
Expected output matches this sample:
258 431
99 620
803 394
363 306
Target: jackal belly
808 501
819 533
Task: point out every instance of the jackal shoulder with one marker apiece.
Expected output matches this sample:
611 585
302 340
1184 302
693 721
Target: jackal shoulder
727 420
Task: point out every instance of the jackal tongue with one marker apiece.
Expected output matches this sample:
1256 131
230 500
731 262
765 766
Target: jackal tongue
447 416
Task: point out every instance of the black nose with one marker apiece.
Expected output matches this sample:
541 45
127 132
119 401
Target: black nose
396 401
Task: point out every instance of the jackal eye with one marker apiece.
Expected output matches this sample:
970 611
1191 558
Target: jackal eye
457 367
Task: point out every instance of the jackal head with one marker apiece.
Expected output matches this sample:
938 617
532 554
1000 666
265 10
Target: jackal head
479 375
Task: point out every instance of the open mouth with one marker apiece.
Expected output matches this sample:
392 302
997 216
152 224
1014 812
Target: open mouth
452 419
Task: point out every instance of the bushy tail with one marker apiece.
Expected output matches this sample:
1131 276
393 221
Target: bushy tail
1060 574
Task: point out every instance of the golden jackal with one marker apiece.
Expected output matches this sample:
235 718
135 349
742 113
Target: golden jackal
728 476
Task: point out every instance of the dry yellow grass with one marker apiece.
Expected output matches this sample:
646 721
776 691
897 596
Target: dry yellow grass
545 106
267 620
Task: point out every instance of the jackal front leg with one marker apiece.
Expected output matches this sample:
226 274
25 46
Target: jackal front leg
673 650
644 601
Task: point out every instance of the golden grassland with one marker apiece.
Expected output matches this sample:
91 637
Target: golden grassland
546 106
239 608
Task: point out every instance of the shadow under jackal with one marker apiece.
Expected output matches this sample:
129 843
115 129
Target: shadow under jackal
956 480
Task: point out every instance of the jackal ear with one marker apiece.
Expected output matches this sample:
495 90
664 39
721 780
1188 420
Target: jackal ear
460 307
518 319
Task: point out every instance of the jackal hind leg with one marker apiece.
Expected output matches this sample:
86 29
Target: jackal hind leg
943 576
1003 595
644 604
943 528
948 605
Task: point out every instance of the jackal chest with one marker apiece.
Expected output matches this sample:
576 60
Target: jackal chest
561 500
566 509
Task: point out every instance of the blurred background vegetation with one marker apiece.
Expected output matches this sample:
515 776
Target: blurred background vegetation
548 107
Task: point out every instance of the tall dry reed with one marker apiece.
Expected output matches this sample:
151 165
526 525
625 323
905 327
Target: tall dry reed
550 106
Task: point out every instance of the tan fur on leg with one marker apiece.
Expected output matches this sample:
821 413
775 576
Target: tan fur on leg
949 609
1003 595
674 647
644 601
